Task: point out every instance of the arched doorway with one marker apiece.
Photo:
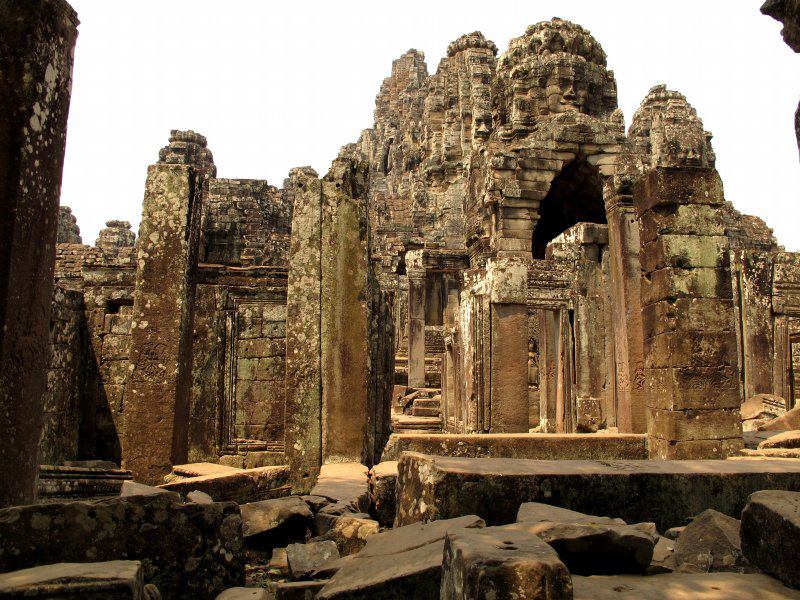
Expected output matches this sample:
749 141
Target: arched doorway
575 196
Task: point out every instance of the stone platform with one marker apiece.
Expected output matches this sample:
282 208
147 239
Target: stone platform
668 493
537 446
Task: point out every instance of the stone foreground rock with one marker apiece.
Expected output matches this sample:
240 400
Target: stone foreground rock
665 492
304 559
401 563
275 523
188 551
112 580
502 563
770 534
682 586
710 543
383 487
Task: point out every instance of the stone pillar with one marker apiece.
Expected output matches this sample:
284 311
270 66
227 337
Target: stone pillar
508 285
303 332
329 405
158 391
626 313
690 347
346 301
549 338
37 38
416 319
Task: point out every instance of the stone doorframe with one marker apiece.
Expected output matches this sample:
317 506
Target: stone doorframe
785 307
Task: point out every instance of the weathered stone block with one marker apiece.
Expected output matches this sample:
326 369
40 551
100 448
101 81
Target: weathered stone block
693 388
675 282
304 559
684 219
685 252
112 580
676 186
686 425
275 523
770 534
239 485
503 563
668 493
705 315
710 543
691 349
563 446
187 550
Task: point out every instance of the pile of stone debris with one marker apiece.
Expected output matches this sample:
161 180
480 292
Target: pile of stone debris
222 532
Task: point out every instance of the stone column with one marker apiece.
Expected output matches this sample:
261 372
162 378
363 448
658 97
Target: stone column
303 332
416 319
37 38
626 313
508 284
346 301
158 391
690 347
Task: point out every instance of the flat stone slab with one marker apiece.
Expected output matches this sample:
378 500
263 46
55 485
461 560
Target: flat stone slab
535 446
681 586
668 493
245 593
201 469
400 563
237 485
188 551
503 563
115 580
770 534
304 559
343 482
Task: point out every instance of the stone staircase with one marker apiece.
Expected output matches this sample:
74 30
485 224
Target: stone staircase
419 410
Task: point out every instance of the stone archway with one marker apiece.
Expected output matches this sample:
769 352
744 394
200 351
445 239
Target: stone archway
575 196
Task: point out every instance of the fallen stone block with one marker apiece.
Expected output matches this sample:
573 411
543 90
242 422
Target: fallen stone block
710 543
298 590
789 421
304 559
785 439
132 488
674 532
279 562
502 563
199 497
770 534
668 493
663 557
682 586
350 533
346 484
597 549
315 503
187 550
401 563
534 446
200 469
383 485
275 523
245 593
237 485
536 512
111 580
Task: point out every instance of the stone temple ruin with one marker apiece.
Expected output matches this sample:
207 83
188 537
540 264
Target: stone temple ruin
422 375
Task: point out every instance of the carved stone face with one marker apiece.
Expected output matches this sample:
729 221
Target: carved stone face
482 126
566 91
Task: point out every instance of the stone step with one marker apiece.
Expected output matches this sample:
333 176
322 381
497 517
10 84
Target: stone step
409 422
428 403
422 411
666 492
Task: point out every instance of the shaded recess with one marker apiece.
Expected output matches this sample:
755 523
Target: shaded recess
575 196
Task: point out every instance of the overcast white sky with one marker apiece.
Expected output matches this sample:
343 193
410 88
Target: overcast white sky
278 84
